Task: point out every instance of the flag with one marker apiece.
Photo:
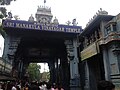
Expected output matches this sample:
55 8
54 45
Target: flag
44 1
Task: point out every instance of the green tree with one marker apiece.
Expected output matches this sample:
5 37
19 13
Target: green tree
45 76
48 75
34 71
3 9
6 2
3 12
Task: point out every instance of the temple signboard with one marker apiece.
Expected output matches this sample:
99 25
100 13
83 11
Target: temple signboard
43 27
89 51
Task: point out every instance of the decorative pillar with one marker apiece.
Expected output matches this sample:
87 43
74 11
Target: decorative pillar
115 64
56 70
11 44
87 85
52 70
64 73
111 26
10 47
106 63
20 69
71 46
6 48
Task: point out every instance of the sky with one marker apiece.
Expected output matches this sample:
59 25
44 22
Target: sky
64 10
44 67
1 45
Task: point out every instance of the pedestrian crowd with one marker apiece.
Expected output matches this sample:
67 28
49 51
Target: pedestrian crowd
12 85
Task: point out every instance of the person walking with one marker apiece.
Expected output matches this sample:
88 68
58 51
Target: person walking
13 87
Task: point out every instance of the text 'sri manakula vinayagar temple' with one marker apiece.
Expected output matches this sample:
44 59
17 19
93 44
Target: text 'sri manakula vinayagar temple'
77 58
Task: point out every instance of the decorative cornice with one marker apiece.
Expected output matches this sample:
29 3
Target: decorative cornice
113 36
100 12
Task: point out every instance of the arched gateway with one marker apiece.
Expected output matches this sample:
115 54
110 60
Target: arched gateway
43 40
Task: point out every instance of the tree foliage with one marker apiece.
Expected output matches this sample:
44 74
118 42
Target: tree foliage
6 2
34 71
45 76
3 12
2 32
3 9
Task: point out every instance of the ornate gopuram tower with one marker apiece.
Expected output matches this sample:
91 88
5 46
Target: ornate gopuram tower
44 15
44 41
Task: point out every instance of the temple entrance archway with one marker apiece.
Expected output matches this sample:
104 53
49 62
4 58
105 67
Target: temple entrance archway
44 41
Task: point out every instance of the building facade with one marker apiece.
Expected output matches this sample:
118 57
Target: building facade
99 48
100 51
43 41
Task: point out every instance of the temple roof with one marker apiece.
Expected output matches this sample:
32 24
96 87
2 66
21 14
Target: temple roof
102 15
42 10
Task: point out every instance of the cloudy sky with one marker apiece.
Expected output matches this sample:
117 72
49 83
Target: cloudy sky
64 10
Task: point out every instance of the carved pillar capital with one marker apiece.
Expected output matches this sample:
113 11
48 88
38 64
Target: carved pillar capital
116 49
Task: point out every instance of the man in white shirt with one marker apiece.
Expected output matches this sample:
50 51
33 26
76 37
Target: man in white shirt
13 88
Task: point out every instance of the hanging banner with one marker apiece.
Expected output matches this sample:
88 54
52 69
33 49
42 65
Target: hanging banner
90 51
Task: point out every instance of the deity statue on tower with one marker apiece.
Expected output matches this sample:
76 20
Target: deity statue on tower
74 22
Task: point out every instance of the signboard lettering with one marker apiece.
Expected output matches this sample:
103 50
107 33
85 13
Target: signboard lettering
89 51
43 27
